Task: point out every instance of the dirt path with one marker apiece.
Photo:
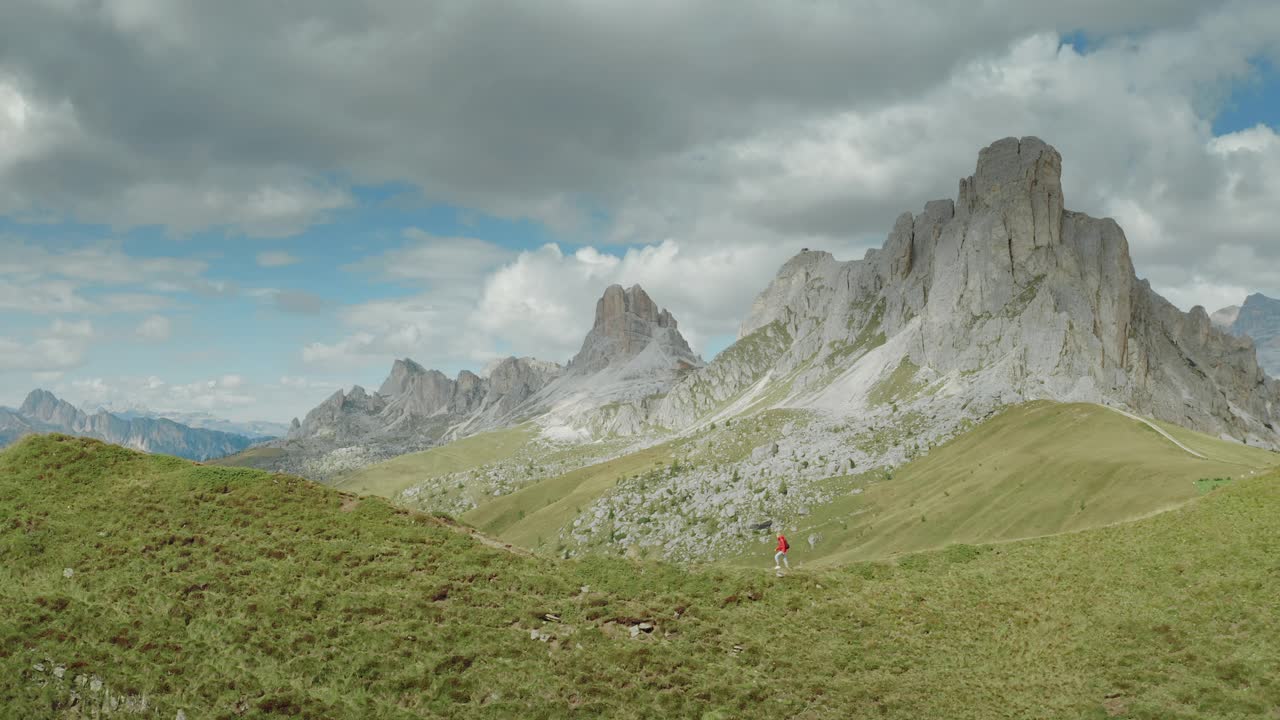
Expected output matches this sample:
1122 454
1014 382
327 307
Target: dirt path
1158 429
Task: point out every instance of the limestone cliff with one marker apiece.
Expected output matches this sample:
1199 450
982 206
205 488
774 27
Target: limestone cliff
1005 296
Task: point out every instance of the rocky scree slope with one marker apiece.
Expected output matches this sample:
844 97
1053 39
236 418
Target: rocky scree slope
43 412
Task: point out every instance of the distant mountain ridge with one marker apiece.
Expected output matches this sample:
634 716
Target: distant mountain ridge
1258 318
43 412
253 429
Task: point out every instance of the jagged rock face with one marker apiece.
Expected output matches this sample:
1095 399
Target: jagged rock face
413 392
42 405
413 409
44 412
1012 298
338 415
403 372
1259 318
515 380
626 323
633 352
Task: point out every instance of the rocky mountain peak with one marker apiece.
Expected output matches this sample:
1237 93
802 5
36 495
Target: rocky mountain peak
627 321
402 371
1259 312
47 407
1002 296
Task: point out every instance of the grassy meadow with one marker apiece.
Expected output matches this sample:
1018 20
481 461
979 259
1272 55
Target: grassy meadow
153 584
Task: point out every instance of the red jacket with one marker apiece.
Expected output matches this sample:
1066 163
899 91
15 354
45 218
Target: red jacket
782 544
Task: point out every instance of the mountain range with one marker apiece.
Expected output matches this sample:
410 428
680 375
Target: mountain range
633 352
253 429
43 412
842 368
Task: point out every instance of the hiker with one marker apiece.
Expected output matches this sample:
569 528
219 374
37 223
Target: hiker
781 555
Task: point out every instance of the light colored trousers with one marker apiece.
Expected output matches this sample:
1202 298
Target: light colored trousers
783 557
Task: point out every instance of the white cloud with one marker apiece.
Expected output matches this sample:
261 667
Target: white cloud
37 279
228 395
276 259
695 183
80 330
436 260
61 346
542 303
103 263
155 328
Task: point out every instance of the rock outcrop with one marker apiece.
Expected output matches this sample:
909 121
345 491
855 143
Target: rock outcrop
1006 296
417 403
42 411
628 323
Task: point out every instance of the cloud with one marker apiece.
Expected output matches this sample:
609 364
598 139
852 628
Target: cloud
276 259
290 301
450 272
434 259
164 118
61 346
692 167
40 280
155 328
225 394
232 396
297 301
102 263
542 303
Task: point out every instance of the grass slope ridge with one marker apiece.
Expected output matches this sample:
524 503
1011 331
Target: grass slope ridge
1036 469
229 592
393 476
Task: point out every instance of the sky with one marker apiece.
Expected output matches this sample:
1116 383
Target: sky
240 207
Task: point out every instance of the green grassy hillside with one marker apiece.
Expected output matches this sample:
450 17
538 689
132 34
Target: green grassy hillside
1035 469
390 477
233 593
259 457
